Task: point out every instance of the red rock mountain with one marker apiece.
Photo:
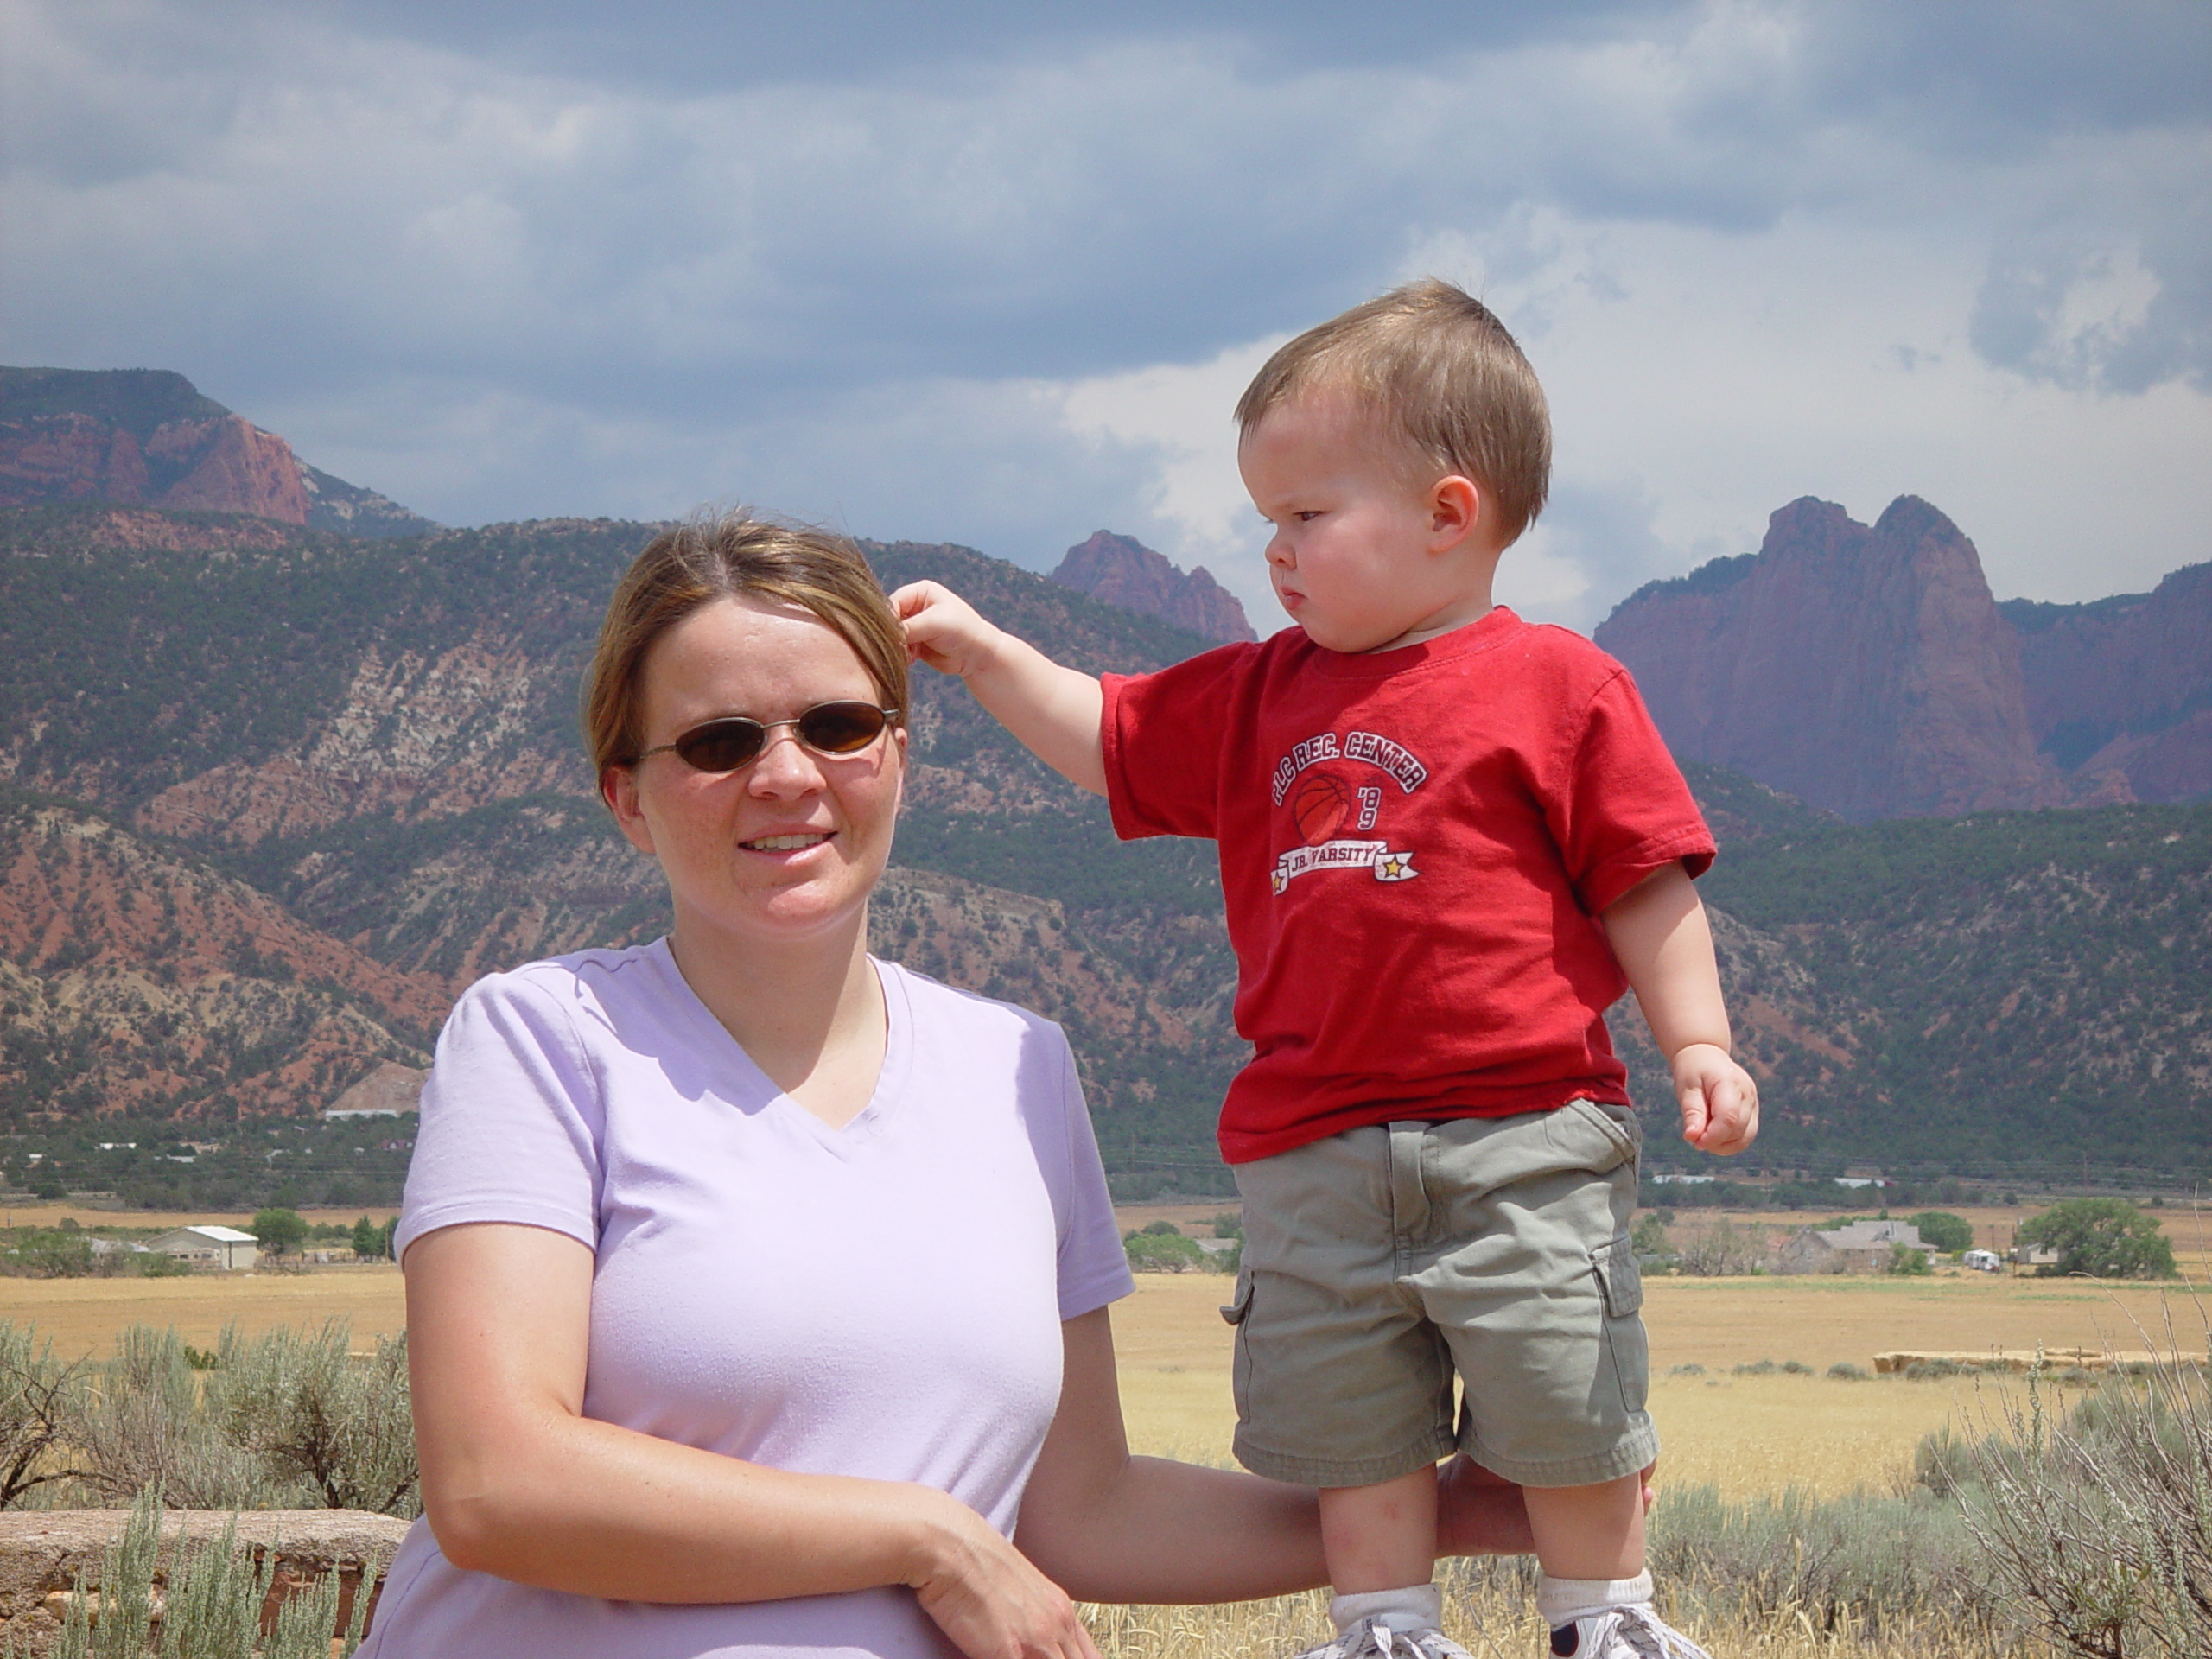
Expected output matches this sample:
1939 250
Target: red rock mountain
146 438
1866 671
1125 572
2119 690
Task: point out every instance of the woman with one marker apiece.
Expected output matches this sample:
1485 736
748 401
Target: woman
753 1285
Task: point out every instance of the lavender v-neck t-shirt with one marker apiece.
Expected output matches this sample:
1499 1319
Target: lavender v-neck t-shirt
881 1301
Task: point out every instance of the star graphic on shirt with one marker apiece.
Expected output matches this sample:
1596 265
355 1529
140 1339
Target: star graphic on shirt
1395 866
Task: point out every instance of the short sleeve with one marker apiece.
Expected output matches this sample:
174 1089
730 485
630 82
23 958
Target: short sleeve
1161 736
511 1116
1622 811
1094 1268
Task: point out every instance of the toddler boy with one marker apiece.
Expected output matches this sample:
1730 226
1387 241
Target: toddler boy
1449 841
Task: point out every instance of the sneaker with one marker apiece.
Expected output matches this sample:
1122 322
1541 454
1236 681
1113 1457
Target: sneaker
1624 1633
1372 1639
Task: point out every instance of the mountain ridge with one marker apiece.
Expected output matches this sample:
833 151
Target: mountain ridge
149 437
375 742
1870 670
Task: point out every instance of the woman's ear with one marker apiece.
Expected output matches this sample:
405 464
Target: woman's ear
618 787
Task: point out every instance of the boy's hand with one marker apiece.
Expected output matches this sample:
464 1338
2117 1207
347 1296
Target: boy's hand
1720 1101
1054 710
942 629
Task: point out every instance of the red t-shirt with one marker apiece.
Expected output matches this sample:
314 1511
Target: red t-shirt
1414 847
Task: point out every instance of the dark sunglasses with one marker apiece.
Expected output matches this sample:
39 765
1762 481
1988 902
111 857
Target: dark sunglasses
734 740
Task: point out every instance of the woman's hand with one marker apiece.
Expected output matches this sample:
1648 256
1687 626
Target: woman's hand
988 1598
1478 1513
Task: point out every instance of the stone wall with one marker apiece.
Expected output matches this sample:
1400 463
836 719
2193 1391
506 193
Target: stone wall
41 1554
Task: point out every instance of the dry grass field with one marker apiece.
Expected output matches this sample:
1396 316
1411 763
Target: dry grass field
82 1315
1746 1434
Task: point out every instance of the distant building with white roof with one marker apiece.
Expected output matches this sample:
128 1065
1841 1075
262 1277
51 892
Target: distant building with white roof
222 1250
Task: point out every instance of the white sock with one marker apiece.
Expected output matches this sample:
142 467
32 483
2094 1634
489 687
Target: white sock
1561 1601
1415 1607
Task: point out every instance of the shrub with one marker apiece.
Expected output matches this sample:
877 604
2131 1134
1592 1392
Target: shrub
1169 1252
1716 1247
287 1420
1228 1226
310 1414
1909 1262
1844 1371
2101 1521
278 1232
51 1254
1861 1563
40 1401
141 1427
2104 1238
1944 1231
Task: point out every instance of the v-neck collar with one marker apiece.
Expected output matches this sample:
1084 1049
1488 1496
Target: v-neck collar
751 1083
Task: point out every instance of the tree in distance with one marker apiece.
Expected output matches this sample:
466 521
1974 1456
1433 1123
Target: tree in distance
1941 1230
278 1232
2104 1238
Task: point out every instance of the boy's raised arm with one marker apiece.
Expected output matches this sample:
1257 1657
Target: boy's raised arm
1054 710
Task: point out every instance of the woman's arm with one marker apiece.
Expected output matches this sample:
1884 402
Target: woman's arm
519 1483
1110 1527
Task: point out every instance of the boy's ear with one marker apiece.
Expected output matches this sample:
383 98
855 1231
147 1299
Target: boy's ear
1455 507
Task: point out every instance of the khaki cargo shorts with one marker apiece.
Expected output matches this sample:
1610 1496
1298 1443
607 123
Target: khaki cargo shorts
1380 1264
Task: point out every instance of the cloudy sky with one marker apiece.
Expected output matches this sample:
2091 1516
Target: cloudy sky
995 273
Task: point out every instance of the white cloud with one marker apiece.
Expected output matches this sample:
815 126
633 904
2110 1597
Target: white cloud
1755 250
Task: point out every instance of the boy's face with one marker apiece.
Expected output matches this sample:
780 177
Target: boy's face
1361 557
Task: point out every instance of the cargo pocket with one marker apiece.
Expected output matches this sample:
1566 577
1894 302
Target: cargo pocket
1240 1303
1240 1370
1621 1284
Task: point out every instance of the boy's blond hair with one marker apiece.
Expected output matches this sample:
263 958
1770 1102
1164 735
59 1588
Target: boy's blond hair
1438 365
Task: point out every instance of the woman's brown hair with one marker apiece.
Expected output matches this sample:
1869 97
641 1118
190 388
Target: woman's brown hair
734 556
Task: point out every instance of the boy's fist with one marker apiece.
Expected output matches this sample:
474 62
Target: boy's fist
942 628
1720 1101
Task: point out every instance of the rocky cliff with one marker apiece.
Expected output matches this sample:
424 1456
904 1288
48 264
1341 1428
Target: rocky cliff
1866 670
1125 572
2119 690
146 438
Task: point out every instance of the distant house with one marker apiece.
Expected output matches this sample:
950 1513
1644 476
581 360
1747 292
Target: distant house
220 1249
1862 1247
2034 1256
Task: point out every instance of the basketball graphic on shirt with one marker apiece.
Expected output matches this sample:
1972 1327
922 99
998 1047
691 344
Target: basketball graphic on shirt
1319 805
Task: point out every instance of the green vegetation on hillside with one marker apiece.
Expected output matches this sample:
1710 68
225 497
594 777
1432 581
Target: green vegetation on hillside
2015 995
